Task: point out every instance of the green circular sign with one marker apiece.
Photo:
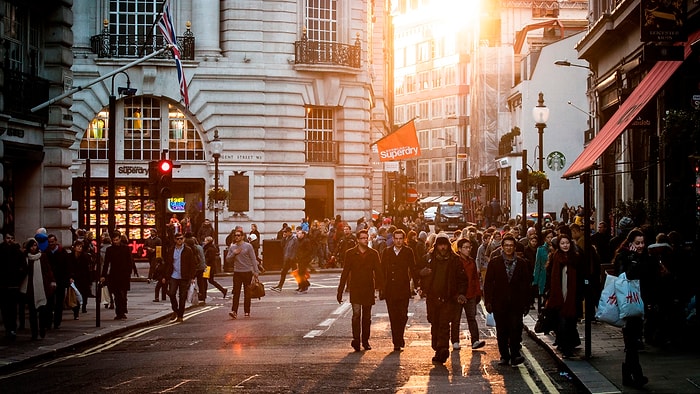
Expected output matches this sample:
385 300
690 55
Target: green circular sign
556 161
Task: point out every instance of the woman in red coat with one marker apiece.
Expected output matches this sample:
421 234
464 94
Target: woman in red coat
564 289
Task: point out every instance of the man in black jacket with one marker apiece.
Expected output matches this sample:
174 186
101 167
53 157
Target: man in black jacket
444 282
12 272
181 269
116 271
507 294
398 266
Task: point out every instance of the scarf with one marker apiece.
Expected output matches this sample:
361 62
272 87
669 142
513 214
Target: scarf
510 265
37 280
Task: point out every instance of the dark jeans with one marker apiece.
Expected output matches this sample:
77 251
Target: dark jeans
509 330
161 288
9 298
42 316
178 287
470 312
241 279
201 285
398 317
361 321
120 302
213 281
632 335
55 304
286 266
440 315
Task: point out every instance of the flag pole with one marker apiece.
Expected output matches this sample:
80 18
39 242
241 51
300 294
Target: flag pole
99 79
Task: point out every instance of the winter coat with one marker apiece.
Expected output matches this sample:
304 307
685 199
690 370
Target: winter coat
363 275
398 270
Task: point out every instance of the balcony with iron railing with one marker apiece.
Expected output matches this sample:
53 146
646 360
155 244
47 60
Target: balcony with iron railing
322 152
308 52
108 45
22 92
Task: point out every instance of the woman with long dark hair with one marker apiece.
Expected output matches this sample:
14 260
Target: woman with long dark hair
632 259
38 287
564 289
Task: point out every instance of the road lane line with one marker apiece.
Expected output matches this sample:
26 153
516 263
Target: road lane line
539 371
177 385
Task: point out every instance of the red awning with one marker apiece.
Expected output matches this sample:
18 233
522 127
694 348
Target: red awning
640 97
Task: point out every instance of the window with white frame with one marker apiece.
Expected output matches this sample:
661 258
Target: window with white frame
424 139
322 20
319 129
410 84
149 125
436 140
424 51
450 135
449 170
423 172
437 173
424 110
423 81
436 77
410 55
450 103
437 47
132 18
399 114
410 111
450 75
436 108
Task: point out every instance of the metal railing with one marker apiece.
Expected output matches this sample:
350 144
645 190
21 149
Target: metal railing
107 45
22 92
327 53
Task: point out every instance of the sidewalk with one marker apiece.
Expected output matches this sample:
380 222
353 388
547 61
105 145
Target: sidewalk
669 370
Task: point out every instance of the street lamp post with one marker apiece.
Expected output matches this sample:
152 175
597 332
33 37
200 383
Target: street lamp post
216 148
111 164
541 114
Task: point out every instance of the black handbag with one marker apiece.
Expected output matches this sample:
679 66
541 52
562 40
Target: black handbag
545 322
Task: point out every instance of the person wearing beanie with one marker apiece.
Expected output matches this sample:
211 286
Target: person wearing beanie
444 283
624 226
42 240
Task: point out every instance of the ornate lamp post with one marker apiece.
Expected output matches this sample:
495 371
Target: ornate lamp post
216 148
541 114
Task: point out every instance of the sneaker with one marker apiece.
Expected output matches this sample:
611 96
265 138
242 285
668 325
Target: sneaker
478 344
503 361
302 292
233 315
455 346
247 315
173 316
276 289
225 293
179 320
518 360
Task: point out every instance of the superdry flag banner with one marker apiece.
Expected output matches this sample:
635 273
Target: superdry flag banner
402 144
166 27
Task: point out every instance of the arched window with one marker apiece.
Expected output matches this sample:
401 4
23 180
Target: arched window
150 125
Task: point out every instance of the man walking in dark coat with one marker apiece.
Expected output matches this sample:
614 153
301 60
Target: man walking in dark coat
12 272
58 258
444 283
180 272
507 294
363 274
116 271
398 267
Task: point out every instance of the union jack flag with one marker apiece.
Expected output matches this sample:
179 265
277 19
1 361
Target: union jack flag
168 30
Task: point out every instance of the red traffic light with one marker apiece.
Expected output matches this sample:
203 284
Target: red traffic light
165 166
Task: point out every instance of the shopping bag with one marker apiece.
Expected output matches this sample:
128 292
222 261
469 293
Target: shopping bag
78 296
105 295
608 310
490 321
192 294
256 289
629 299
70 301
207 272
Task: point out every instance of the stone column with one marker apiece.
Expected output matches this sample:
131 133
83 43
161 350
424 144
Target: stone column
206 26
58 134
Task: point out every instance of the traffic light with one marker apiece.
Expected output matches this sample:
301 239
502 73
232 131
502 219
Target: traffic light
522 184
165 178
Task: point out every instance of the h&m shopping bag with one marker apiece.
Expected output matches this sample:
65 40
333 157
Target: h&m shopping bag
608 310
629 299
